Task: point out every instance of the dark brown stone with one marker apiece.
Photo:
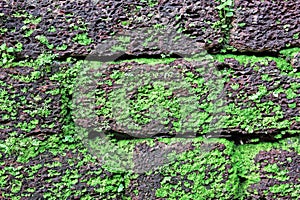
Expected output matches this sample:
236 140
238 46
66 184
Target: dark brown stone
265 26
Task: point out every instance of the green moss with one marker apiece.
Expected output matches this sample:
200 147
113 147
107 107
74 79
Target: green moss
282 64
190 165
62 47
152 96
226 12
291 52
8 54
242 59
52 29
82 39
262 91
43 39
244 163
148 61
244 159
201 170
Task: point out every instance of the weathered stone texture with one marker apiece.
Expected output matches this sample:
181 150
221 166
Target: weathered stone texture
265 26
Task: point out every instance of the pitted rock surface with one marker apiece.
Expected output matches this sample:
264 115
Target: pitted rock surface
260 88
262 98
41 154
287 162
74 28
296 62
265 26
29 108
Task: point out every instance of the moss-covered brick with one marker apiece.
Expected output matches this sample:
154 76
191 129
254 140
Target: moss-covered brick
162 113
202 170
76 28
269 170
246 97
261 98
149 97
35 96
27 107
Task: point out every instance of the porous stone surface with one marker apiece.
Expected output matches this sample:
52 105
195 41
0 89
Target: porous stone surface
296 62
265 26
57 169
250 99
202 170
74 28
219 169
28 106
269 170
262 94
145 97
61 170
257 97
